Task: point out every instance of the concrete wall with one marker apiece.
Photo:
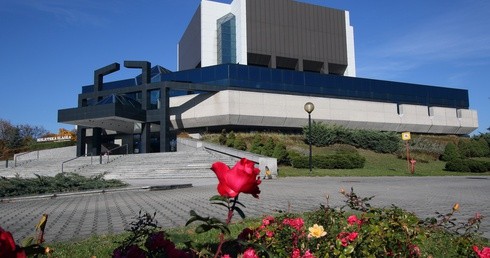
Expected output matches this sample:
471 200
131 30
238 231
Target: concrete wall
351 55
260 160
243 108
189 47
275 28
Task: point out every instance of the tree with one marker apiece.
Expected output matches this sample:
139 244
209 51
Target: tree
10 135
29 133
256 144
268 148
281 153
451 152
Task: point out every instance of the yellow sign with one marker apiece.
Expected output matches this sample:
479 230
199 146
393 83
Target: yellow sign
406 136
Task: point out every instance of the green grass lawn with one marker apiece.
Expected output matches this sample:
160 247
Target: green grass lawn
378 164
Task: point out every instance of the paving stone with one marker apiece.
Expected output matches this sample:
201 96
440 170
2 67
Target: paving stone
80 216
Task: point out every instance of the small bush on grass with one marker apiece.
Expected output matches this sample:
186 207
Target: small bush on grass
474 148
230 140
257 144
62 182
331 161
239 144
325 135
281 154
450 152
468 165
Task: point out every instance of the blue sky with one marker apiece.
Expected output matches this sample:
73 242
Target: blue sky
50 48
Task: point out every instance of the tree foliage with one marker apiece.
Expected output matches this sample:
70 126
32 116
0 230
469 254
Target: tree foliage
325 135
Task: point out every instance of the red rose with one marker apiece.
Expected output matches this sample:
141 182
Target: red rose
242 178
484 253
352 236
8 249
354 220
296 223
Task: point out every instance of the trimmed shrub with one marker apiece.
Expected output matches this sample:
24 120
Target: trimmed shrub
222 137
299 161
382 142
281 154
230 141
268 148
257 144
239 144
321 134
457 165
450 152
332 161
324 135
473 148
468 165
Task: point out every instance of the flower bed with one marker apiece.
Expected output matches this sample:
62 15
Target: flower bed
353 230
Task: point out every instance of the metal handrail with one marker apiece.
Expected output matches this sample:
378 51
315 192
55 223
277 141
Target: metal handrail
113 149
22 154
66 161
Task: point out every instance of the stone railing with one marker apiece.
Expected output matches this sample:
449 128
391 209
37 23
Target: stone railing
260 160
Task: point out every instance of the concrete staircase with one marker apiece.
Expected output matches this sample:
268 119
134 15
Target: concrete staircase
45 162
191 163
173 165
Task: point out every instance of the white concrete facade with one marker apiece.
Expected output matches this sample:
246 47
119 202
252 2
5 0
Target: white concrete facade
244 108
202 46
351 56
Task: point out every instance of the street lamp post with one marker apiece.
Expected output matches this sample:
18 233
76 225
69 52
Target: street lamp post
309 107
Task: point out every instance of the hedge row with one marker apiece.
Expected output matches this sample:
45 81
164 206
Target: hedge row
332 161
468 165
324 135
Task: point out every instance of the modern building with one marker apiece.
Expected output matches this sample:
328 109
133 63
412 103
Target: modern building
252 65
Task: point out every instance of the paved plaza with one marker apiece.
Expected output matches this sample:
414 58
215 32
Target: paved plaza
78 216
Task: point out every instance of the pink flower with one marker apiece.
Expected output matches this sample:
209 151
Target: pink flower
226 256
250 253
296 253
414 251
242 178
346 238
352 220
352 236
267 220
308 254
269 233
296 223
484 253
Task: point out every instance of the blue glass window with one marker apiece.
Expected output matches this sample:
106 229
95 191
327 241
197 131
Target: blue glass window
227 39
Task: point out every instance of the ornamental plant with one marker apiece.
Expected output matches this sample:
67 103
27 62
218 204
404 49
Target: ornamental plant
355 229
242 178
9 249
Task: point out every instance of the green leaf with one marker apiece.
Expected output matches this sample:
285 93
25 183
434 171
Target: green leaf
192 213
221 204
203 228
28 241
224 229
219 198
349 249
241 204
196 217
240 212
